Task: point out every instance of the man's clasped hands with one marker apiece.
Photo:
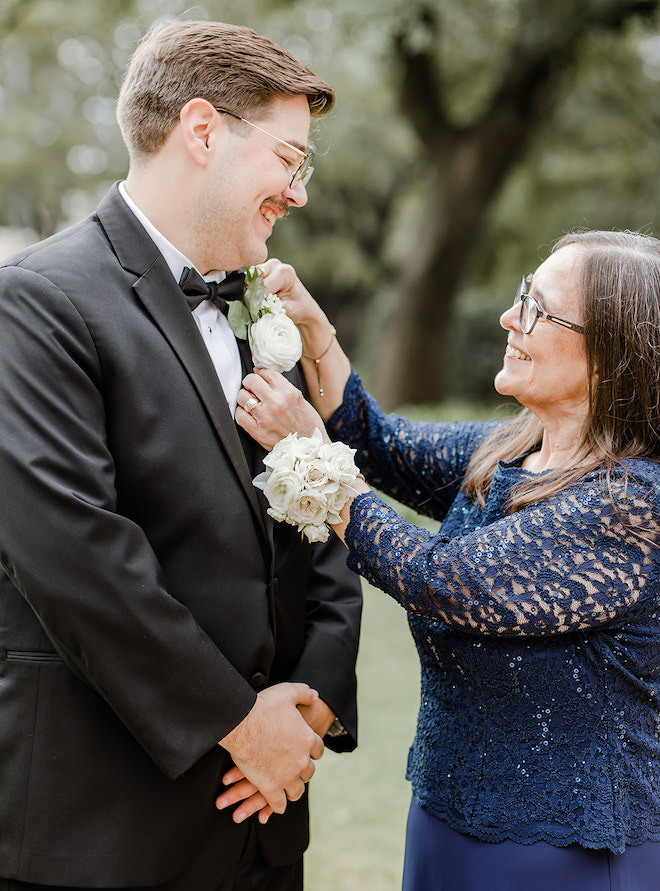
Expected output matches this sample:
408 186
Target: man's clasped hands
274 749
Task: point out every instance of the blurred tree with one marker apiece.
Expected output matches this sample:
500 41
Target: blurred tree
469 151
594 163
466 134
59 64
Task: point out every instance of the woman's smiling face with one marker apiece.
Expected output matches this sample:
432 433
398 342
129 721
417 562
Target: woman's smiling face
546 370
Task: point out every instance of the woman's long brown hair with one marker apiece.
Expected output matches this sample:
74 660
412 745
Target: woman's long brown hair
620 287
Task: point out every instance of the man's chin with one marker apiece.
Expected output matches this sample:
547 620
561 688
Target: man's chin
257 256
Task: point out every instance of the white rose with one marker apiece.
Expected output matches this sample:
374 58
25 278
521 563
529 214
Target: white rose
337 500
315 475
339 461
284 453
309 447
283 490
308 509
316 533
291 451
275 342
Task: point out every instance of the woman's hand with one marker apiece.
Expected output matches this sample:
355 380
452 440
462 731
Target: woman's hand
325 366
315 328
281 279
281 409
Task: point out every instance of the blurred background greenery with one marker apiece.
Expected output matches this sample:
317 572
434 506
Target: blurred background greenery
467 136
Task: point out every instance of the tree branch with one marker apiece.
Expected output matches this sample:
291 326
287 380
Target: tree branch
14 14
530 85
420 90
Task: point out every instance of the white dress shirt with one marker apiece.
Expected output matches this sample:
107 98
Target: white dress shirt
213 326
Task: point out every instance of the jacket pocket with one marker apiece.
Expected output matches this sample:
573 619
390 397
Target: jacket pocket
36 656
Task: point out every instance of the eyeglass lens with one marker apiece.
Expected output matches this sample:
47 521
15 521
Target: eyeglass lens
304 173
528 314
528 307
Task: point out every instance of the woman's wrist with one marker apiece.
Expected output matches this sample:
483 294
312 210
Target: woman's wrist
316 333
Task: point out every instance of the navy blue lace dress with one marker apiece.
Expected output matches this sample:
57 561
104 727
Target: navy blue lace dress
538 634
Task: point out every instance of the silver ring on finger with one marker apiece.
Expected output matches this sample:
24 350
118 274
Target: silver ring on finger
251 404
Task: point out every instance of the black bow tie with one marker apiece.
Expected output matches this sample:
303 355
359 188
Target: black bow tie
197 289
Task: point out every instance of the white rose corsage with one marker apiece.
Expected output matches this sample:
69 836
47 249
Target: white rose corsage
307 482
261 319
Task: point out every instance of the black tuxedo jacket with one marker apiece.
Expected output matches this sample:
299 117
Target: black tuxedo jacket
146 597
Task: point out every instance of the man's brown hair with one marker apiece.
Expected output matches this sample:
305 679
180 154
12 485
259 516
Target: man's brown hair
230 66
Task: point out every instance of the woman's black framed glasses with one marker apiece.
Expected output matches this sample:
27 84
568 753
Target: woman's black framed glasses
531 312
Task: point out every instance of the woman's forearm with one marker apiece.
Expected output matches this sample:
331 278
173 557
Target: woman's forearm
325 365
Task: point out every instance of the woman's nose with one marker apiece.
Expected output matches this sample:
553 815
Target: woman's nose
510 318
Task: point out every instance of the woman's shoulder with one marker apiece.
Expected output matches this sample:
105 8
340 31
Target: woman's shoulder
642 473
645 468
632 487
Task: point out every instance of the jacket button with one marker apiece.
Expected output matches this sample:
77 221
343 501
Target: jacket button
258 680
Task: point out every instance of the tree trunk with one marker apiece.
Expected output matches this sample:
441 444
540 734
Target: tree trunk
467 166
410 363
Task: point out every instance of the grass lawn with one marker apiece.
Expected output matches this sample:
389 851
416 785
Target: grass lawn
359 801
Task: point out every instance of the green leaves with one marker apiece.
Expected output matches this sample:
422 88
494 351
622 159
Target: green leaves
243 312
239 318
254 292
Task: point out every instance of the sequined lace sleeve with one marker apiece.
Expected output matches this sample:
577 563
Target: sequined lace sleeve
564 564
420 464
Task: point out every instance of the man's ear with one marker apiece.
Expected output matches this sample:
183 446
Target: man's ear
200 123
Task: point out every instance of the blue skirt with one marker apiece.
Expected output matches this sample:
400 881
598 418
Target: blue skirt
439 859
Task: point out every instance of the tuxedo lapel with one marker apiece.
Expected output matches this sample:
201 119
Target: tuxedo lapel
246 356
253 451
164 301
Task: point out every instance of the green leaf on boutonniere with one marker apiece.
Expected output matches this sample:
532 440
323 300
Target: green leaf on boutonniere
254 292
238 318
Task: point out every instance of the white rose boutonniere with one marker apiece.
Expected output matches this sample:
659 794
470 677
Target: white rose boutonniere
261 319
307 482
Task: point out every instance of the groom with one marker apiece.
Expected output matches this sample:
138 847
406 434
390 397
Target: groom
156 627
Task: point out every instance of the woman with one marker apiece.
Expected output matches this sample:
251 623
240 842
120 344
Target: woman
535 610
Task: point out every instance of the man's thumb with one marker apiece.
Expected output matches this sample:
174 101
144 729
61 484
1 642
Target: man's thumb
304 694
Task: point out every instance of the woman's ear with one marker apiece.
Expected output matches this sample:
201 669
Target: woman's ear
200 123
